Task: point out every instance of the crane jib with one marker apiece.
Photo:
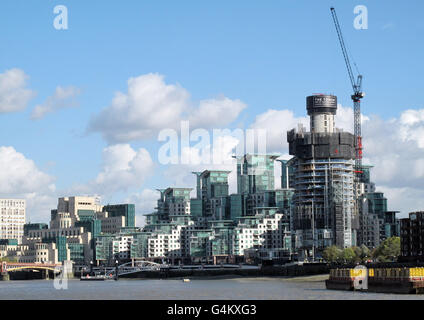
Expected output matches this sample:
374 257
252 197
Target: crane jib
356 97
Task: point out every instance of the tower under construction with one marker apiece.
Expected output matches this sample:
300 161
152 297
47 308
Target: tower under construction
323 179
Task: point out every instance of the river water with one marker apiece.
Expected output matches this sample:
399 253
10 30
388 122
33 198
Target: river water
202 289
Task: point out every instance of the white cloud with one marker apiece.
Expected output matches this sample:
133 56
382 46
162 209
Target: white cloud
39 204
344 118
389 25
19 174
277 123
20 178
123 168
404 199
222 151
145 202
396 155
151 105
14 96
63 97
395 148
216 112
181 175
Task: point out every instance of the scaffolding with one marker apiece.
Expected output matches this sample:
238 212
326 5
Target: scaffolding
324 202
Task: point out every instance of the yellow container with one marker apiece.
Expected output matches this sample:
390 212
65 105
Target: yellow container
357 272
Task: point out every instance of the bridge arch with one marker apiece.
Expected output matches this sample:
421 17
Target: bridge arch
11 267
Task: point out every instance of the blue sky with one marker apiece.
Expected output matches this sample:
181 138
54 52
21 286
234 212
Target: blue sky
267 55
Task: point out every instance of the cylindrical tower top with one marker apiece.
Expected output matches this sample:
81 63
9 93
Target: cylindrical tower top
321 104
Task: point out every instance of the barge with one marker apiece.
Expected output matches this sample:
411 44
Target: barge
380 280
97 278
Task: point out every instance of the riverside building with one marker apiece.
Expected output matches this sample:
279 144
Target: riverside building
258 224
12 219
220 227
323 180
412 237
74 226
376 222
314 209
323 177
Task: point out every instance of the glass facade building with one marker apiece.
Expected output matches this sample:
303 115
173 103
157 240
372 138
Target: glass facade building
122 210
255 173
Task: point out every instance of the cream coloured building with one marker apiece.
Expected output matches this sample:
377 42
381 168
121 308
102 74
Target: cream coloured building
40 253
73 205
12 218
174 244
264 232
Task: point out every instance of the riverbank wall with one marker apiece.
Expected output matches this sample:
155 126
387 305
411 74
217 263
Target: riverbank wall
266 271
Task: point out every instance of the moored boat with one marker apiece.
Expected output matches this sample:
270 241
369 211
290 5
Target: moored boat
380 280
97 278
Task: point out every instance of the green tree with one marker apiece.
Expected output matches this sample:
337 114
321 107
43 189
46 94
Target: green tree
349 255
332 254
362 253
388 250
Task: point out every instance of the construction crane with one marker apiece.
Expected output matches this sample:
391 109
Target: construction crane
356 97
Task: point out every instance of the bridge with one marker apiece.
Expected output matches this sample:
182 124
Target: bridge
43 269
17 266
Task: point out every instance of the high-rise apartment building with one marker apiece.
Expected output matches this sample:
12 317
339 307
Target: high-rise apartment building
12 219
122 210
213 191
173 202
323 180
255 173
255 183
412 237
376 223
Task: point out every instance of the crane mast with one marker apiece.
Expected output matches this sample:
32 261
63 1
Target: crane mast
356 98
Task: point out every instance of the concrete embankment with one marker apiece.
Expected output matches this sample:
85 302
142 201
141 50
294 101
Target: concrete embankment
269 271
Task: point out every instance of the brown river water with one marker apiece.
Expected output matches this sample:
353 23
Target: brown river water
310 288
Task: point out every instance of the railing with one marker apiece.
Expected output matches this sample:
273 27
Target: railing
128 268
